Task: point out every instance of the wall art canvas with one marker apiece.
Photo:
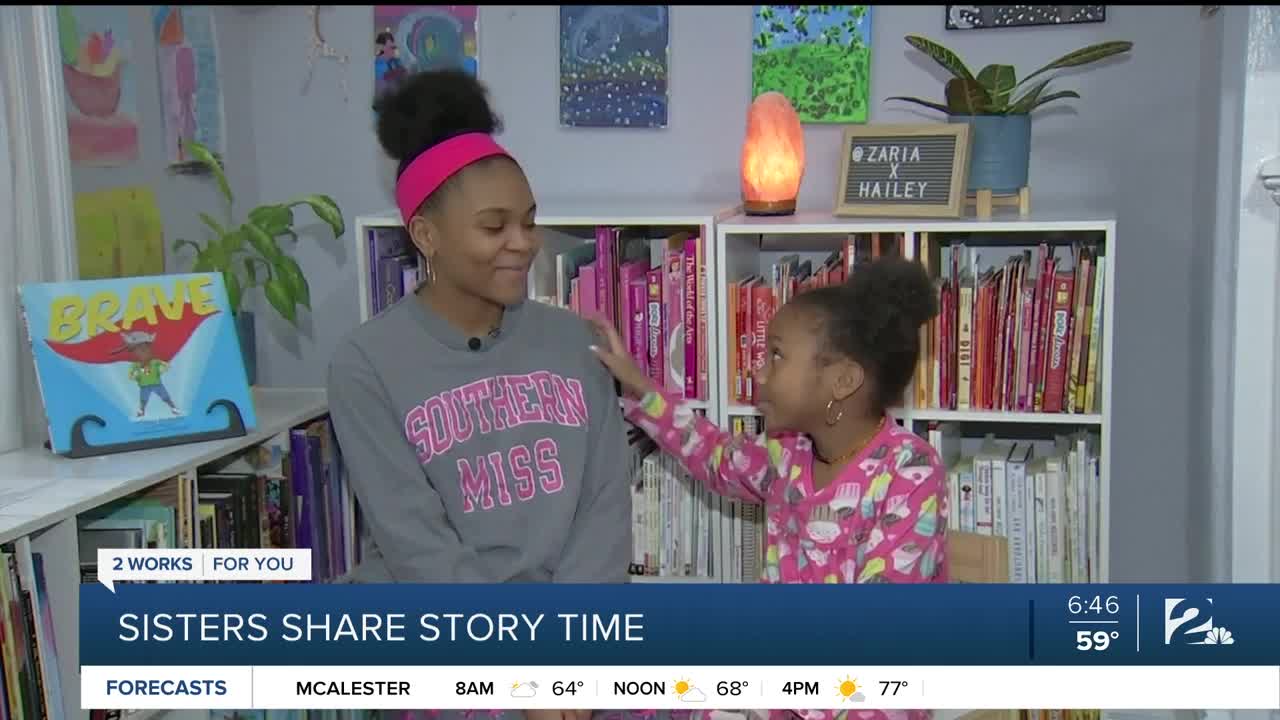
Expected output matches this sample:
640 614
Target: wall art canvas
409 38
190 86
119 233
100 83
614 65
975 17
818 56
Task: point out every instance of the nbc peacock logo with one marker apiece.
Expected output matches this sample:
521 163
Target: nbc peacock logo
1187 623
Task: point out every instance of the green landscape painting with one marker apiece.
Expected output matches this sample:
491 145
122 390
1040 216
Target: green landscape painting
818 56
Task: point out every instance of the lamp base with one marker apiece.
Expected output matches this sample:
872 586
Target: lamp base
769 207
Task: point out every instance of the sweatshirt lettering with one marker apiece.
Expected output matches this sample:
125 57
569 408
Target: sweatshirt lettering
437 424
483 476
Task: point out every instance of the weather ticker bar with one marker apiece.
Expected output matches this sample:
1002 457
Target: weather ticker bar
682 688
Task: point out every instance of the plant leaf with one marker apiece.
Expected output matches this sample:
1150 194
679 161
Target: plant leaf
927 103
233 289
287 270
202 154
233 241
180 242
1061 94
999 81
1084 56
261 241
966 97
217 256
212 224
202 263
941 55
325 208
1024 104
251 270
273 219
278 295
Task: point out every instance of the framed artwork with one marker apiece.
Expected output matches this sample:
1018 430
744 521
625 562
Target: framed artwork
818 56
976 17
409 38
614 65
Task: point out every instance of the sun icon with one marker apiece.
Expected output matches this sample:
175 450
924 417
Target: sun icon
847 689
682 687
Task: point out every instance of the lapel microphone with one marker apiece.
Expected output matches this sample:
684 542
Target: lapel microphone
475 343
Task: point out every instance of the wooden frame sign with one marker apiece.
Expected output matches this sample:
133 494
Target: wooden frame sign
916 170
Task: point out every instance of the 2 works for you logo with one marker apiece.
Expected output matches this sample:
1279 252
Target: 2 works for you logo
1186 623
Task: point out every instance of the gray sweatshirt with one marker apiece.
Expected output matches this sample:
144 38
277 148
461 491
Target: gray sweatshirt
493 459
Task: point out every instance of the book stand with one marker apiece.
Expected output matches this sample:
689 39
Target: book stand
81 448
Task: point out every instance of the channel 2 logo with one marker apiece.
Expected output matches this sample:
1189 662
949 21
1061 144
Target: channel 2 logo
1188 624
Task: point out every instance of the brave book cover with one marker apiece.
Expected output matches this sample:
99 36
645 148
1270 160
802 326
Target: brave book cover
130 363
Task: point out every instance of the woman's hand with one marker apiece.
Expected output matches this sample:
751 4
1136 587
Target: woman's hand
614 355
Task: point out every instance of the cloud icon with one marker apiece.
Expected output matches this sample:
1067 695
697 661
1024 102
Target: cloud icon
694 695
524 690
858 697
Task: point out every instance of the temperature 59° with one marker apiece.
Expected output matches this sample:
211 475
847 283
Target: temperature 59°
1095 639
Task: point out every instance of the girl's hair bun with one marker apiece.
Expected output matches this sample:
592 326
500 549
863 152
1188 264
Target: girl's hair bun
429 107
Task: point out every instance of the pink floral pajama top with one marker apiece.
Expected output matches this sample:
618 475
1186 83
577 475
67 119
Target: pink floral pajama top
883 519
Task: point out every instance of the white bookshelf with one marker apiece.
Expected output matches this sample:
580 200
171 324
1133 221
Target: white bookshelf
42 496
746 244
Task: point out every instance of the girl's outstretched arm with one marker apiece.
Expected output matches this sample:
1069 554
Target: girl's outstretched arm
741 466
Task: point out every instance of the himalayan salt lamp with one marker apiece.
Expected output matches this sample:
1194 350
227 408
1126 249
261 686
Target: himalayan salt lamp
772 157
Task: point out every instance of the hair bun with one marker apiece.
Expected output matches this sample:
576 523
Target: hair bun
429 107
898 285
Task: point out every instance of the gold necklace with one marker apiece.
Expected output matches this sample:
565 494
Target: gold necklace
856 448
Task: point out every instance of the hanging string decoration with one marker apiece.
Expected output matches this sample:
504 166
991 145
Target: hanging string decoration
322 50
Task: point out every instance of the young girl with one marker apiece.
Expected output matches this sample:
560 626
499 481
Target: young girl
850 496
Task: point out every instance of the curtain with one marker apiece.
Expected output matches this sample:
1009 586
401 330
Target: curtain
37 231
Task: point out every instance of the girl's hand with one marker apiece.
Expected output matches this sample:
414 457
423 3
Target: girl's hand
615 357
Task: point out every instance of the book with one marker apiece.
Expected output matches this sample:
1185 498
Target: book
130 363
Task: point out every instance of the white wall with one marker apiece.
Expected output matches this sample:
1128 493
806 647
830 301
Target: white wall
1128 145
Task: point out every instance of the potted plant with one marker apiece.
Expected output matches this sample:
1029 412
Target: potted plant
248 254
997 106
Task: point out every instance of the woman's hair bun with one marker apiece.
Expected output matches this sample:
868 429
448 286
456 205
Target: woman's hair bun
429 107
895 286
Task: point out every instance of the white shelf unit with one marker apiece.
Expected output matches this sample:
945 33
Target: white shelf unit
747 244
566 224
42 496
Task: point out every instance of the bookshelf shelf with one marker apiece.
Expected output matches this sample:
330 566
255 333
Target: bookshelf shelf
48 489
995 417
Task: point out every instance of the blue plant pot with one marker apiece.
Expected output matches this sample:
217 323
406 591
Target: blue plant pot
999 151
247 332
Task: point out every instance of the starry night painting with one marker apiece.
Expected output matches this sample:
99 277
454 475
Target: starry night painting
974 17
613 65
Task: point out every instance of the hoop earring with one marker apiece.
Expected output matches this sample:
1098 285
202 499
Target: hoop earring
839 412
431 272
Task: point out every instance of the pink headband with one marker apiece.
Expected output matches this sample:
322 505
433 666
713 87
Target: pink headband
437 164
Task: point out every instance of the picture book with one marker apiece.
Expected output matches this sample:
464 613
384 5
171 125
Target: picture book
131 363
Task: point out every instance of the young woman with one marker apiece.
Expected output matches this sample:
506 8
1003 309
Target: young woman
484 440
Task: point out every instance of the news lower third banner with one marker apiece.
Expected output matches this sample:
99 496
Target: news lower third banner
681 646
